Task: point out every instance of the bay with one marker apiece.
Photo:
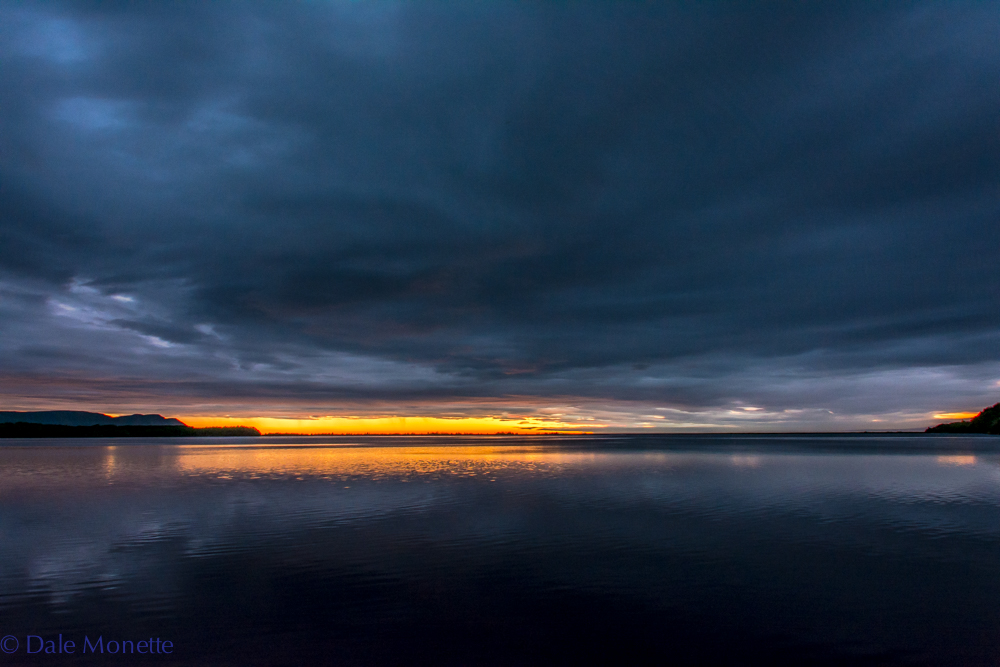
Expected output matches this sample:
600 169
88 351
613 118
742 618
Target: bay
818 549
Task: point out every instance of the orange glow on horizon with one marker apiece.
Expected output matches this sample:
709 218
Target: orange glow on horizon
956 415
390 425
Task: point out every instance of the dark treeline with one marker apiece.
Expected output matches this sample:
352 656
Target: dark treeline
987 421
28 430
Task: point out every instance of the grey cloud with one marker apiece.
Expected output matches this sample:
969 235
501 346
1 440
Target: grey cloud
515 200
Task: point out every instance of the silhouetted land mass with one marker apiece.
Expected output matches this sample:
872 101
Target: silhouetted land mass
987 421
29 430
80 418
80 424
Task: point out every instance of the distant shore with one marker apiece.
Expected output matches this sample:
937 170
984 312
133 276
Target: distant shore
31 430
987 421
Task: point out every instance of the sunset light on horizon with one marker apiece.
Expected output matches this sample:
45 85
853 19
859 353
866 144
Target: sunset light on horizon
499 333
389 425
354 217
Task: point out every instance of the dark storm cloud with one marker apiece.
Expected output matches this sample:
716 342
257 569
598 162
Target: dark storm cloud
693 205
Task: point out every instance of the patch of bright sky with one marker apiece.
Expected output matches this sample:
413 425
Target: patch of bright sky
92 113
88 307
58 40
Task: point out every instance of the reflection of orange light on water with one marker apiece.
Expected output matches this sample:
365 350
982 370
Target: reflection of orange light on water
373 462
744 461
388 425
957 460
110 462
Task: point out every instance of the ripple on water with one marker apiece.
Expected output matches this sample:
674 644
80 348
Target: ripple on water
785 548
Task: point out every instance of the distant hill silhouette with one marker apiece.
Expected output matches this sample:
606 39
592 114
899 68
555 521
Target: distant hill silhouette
28 430
77 424
79 418
987 421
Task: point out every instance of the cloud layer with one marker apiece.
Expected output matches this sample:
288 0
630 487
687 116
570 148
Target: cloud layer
342 208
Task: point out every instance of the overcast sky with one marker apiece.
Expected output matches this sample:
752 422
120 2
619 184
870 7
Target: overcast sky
754 216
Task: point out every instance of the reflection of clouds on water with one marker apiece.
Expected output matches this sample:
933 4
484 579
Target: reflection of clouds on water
129 520
59 573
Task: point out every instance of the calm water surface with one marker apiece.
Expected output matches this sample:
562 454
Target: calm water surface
670 550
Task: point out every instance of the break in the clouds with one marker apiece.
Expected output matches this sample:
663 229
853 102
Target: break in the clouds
778 216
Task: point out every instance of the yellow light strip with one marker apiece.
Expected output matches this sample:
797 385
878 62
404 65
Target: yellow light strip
956 415
388 425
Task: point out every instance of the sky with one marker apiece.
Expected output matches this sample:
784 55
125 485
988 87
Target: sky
487 216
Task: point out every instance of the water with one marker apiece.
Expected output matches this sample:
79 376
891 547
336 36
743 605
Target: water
504 551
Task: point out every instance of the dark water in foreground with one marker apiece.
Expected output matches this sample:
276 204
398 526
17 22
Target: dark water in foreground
505 551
